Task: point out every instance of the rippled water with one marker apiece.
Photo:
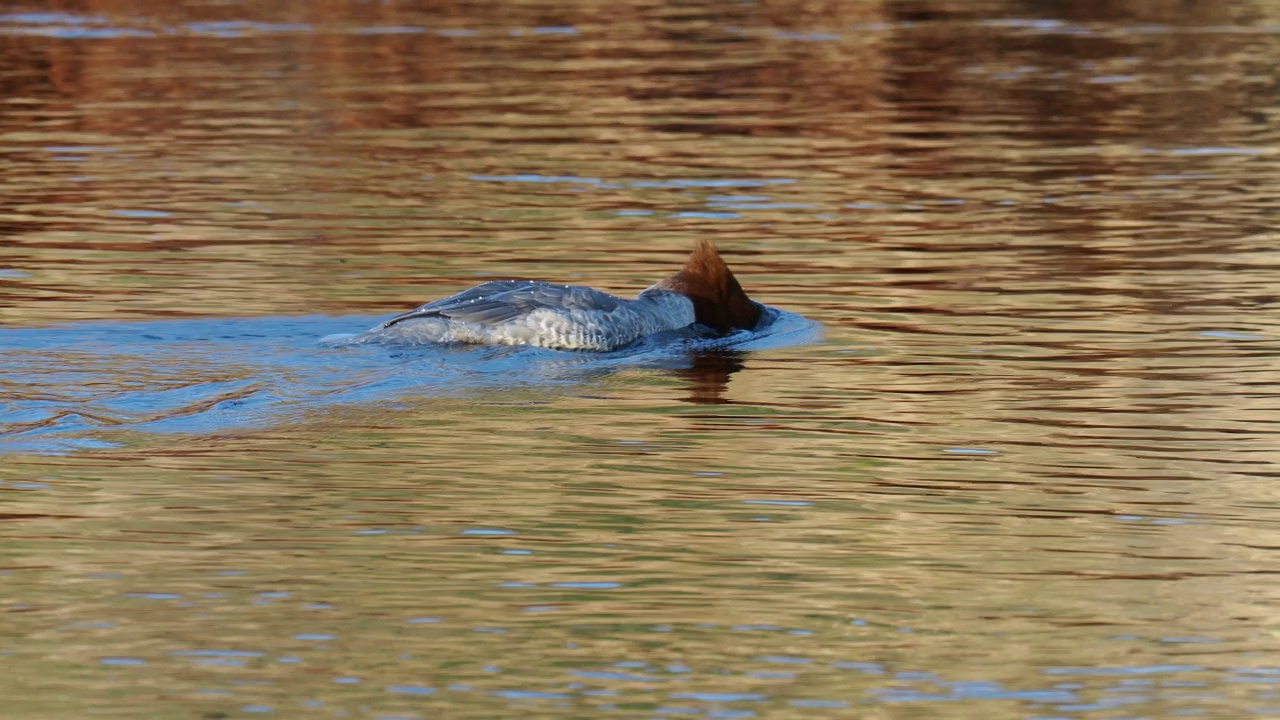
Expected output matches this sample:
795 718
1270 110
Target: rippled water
1025 471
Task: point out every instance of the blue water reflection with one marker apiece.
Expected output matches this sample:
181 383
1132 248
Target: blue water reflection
83 386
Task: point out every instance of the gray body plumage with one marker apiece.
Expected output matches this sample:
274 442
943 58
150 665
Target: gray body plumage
527 312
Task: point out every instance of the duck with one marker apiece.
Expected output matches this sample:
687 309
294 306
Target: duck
703 294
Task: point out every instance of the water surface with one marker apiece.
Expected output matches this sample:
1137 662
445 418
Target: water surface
1026 472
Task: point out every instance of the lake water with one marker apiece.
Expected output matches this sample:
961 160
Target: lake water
1024 465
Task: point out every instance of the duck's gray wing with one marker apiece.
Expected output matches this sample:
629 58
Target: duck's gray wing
498 301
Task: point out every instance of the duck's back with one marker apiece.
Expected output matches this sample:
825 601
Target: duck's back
528 312
499 301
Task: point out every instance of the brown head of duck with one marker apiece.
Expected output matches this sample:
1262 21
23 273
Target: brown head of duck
718 300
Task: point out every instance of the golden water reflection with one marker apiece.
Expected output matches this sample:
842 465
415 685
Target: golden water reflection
1027 474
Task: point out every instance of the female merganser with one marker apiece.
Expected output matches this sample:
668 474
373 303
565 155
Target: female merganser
570 317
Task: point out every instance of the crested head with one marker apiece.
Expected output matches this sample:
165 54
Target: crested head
718 300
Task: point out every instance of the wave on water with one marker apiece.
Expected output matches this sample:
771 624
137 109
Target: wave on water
93 385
